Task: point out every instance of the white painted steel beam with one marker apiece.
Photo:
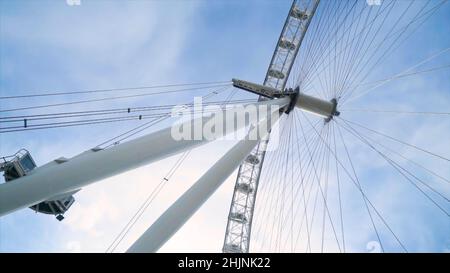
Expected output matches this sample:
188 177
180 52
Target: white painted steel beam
63 176
180 211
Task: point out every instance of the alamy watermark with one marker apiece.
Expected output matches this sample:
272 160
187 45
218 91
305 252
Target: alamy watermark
229 122
373 247
73 2
373 2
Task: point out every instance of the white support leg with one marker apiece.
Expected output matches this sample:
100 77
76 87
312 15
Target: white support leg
86 168
180 212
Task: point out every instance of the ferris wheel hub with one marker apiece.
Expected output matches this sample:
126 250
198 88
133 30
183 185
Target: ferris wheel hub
324 108
317 106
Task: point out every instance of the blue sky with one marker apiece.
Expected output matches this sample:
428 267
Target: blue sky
52 46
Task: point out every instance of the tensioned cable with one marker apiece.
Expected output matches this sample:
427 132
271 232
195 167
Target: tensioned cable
307 181
321 190
407 159
405 28
270 187
370 45
324 57
29 127
294 193
358 59
321 167
396 166
311 63
60 115
379 215
272 171
387 158
277 191
343 50
153 195
339 189
305 176
429 13
119 238
303 184
327 176
405 75
283 179
364 195
110 98
354 62
136 130
47 94
395 112
397 140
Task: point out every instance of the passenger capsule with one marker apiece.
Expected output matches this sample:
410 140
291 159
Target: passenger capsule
252 159
276 74
299 14
286 44
244 188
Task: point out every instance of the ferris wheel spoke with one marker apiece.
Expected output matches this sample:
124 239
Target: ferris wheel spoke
440 177
343 49
324 41
312 58
402 171
295 193
298 188
278 216
437 114
290 210
378 83
272 181
408 179
301 185
311 45
319 62
338 189
370 45
272 186
352 97
361 57
308 42
306 181
333 57
277 192
284 179
397 140
327 173
364 197
395 44
322 177
354 181
320 166
348 59
321 190
306 200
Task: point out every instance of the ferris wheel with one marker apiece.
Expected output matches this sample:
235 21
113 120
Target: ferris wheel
321 178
